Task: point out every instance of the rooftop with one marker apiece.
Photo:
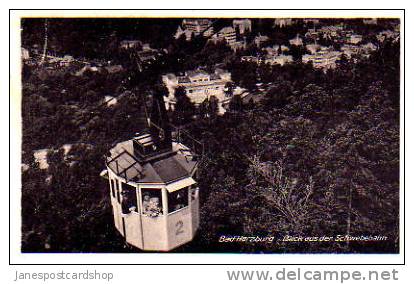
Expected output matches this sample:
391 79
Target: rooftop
165 168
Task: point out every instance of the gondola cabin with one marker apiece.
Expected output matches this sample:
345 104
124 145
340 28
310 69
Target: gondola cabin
154 194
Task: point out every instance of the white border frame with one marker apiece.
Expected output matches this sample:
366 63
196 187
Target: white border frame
16 257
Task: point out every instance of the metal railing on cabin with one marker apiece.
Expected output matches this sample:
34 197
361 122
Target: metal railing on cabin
182 136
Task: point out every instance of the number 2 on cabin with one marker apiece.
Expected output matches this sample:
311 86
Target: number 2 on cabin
179 225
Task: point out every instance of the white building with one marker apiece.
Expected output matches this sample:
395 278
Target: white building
313 48
194 27
243 25
25 54
296 41
112 69
275 49
87 67
350 50
60 61
312 33
311 20
369 47
147 56
284 48
372 21
354 39
128 44
325 59
187 33
363 50
228 34
110 101
279 59
238 45
198 26
249 58
331 31
283 22
40 157
199 86
269 59
271 50
388 34
258 40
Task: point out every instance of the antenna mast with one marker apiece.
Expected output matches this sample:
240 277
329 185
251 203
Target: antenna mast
45 43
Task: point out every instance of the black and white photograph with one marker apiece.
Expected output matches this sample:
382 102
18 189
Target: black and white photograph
210 134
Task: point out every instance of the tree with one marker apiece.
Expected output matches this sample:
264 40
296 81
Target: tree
278 95
244 74
203 109
184 108
236 103
296 51
213 107
229 89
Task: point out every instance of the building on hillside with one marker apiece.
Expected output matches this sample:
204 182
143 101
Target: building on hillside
284 48
110 100
129 44
283 22
312 34
87 67
198 26
364 50
228 34
199 86
354 39
194 27
64 61
331 31
278 59
259 40
141 53
275 59
238 45
187 34
296 41
275 49
112 69
388 34
324 59
368 47
350 50
272 50
311 21
25 54
147 56
242 25
313 48
249 58
372 21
